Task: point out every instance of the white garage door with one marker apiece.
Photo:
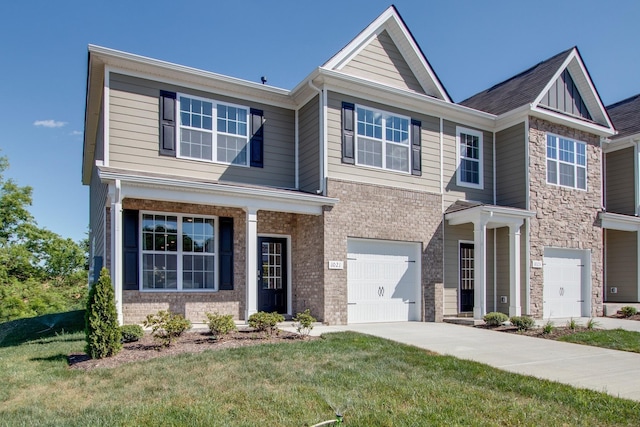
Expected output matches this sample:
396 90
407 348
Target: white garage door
566 274
383 280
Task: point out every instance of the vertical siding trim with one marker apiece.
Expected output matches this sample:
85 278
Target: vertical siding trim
636 182
442 160
106 125
493 161
526 163
296 145
637 263
495 255
325 143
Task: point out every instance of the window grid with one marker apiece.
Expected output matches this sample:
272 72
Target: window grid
382 140
469 158
566 162
466 268
271 265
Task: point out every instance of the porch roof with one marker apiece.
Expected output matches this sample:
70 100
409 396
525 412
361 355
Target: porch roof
464 212
620 222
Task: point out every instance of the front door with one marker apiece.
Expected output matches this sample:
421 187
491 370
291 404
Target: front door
467 275
272 274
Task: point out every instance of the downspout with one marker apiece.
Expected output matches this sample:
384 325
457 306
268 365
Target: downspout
495 270
494 170
105 117
321 99
527 222
297 150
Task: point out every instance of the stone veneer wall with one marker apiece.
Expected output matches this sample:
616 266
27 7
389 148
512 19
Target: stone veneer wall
379 212
565 217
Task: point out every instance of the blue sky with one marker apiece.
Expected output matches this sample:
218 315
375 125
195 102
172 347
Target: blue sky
470 44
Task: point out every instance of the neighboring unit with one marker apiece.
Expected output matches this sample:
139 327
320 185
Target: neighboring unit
364 194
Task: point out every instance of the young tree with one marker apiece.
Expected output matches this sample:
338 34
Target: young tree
102 328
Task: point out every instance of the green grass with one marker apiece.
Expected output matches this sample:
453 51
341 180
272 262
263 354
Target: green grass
375 382
616 339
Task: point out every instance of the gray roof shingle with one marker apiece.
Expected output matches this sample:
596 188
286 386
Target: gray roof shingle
625 116
519 90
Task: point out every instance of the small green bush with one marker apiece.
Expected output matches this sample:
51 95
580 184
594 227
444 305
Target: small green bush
572 324
220 324
523 323
592 324
166 327
628 311
131 333
265 322
304 323
548 327
495 318
101 320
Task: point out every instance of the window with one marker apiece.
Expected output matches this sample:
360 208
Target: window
469 147
382 140
213 131
178 252
566 162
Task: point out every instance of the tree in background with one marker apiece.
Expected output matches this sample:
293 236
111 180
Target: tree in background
101 320
40 271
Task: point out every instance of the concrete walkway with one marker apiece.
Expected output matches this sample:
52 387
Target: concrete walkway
610 371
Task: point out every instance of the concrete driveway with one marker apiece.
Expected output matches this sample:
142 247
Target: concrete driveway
610 371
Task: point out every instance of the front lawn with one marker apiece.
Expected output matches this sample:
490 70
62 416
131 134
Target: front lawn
374 382
616 339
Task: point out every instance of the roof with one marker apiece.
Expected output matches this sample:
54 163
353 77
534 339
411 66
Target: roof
625 116
519 90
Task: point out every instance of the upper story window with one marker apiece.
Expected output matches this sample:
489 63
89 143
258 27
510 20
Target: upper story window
469 150
382 140
178 252
566 162
213 131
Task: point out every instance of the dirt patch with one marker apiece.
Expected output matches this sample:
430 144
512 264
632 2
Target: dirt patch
556 333
190 342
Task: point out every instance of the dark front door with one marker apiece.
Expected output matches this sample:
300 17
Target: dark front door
467 274
272 274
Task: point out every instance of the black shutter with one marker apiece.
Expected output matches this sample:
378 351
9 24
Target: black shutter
130 250
416 148
225 249
257 138
97 267
167 123
348 140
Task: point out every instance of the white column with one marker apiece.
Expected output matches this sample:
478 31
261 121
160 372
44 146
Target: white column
637 263
116 246
480 269
252 261
514 270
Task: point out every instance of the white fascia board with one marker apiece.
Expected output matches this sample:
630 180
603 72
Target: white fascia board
402 98
513 117
167 72
496 215
611 221
621 143
552 116
225 195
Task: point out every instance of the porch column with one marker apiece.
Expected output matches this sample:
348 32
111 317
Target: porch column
480 269
252 261
514 270
115 197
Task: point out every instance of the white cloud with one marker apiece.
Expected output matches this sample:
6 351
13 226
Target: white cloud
49 123
76 133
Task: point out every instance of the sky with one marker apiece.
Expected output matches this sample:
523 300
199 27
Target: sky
470 44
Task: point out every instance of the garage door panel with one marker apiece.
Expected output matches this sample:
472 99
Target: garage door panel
382 281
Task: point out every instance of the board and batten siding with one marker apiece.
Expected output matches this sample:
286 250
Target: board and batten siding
511 184
622 264
430 179
619 181
134 137
309 146
381 61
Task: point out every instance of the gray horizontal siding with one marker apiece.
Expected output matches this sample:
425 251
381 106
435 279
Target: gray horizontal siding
622 264
309 139
619 181
97 202
452 237
381 61
430 179
511 184
134 137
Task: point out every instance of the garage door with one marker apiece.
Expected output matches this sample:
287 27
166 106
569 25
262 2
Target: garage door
566 273
383 281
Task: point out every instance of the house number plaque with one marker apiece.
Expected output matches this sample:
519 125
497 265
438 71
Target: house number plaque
336 265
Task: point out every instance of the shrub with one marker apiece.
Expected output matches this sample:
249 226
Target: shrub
628 311
131 333
548 327
220 324
495 318
523 323
265 322
166 327
304 323
101 320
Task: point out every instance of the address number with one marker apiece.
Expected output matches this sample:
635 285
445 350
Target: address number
336 265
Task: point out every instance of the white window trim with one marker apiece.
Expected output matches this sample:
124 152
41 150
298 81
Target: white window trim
574 164
179 253
480 160
214 130
383 140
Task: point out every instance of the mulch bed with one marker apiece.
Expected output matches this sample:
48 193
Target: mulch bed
190 342
618 315
557 332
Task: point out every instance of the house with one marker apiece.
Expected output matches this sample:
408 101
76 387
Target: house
364 193
622 200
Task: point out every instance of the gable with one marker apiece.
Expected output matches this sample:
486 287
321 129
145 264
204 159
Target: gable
381 61
564 96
